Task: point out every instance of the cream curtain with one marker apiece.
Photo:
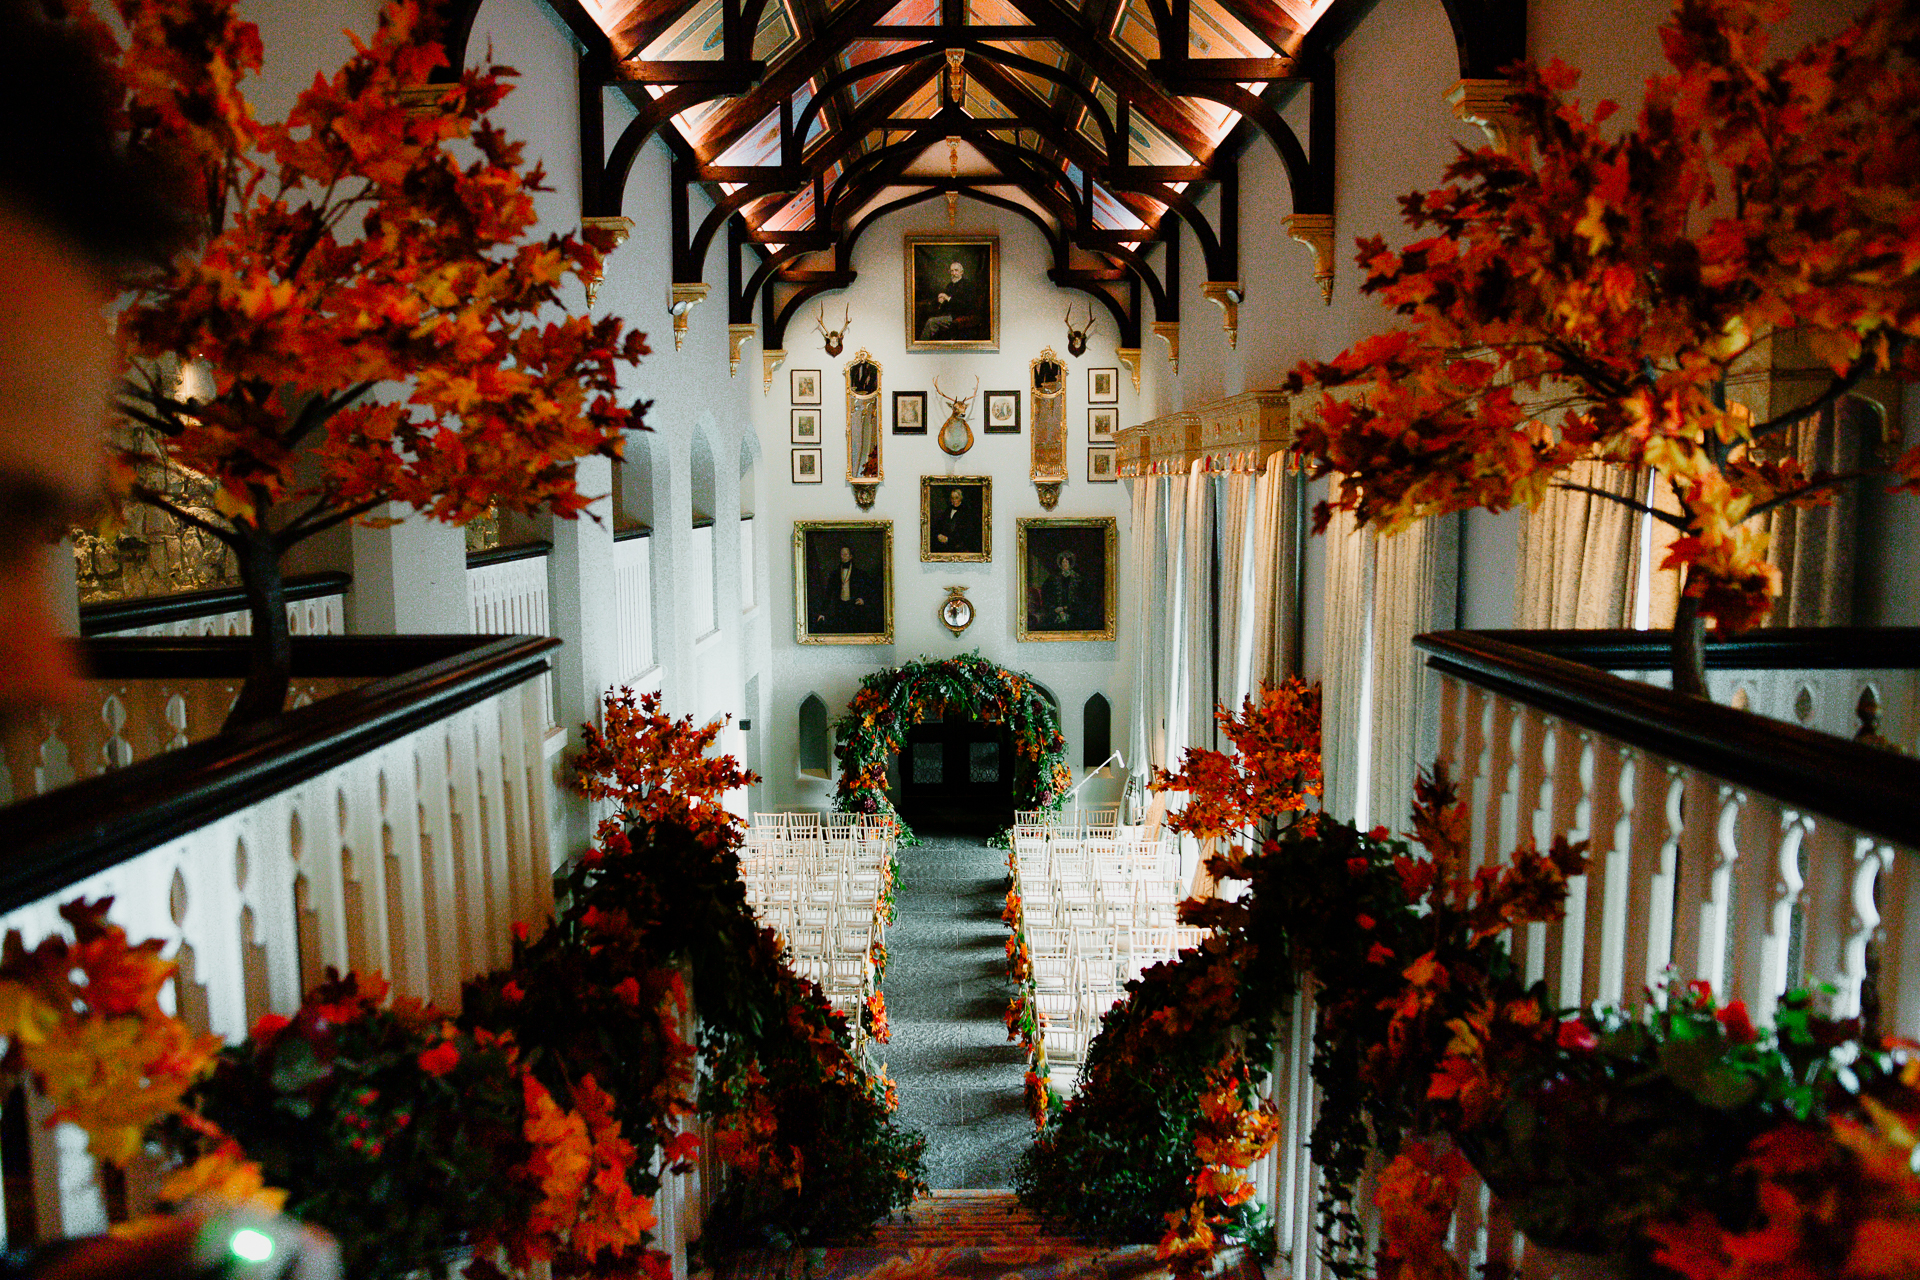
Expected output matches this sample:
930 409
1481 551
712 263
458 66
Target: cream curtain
1195 673
1143 597
1577 553
1814 546
1170 726
1345 678
1277 529
1238 608
1414 591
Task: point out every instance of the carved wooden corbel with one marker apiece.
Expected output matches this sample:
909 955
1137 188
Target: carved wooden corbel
1315 230
738 335
770 362
685 297
1168 331
1130 357
1227 295
619 228
1489 104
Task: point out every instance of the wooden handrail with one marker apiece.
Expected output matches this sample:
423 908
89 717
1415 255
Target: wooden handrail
1868 788
79 830
506 555
105 616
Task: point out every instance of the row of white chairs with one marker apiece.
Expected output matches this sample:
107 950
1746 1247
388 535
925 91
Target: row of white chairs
1099 906
820 886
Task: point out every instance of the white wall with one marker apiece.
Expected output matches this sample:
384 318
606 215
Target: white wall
1031 311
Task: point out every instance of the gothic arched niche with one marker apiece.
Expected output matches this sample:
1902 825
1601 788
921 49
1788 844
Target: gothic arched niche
1096 732
816 749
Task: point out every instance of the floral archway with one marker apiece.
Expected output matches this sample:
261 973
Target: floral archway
892 701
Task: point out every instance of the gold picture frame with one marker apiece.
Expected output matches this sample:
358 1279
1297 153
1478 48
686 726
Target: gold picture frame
863 612
960 530
1059 588
946 311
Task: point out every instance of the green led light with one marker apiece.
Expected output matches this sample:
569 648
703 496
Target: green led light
250 1245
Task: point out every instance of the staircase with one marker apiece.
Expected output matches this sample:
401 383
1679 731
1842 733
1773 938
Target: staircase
971 1235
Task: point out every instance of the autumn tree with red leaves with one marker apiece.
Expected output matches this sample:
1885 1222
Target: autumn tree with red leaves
376 320
1587 295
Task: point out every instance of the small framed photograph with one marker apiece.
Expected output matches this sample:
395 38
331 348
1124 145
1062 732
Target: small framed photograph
1102 425
956 518
909 413
806 426
1103 386
1100 464
806 466
843 581
806 386
1003 413
1069 578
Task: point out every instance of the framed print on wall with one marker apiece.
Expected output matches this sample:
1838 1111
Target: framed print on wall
1100 464
805 386
1102 425
909 413
956 518
953 292
1069 578
806 426
1103 386
843 581
806 466
1003 413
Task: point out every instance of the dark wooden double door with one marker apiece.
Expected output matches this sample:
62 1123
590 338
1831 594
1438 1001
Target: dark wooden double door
957 773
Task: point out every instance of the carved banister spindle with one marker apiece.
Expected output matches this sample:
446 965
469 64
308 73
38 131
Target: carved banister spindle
1826 854
1704 891
1571 815
1755 884
1476 757
402 874
1783 902
1658 831
491 834
1899 951
1534 763
447 963
1609 877
1870 857
1503 782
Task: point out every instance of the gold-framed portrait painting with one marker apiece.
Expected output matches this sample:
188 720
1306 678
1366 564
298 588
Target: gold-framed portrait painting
953 292
1069 578
956 518
843 581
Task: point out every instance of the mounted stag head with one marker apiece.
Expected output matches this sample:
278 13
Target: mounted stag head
1077 338
956 436
836 338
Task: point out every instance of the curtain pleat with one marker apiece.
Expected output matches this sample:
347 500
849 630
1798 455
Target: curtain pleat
1577 553
1142 599
1237 584
1813 547
1344 676
1414 574
1169 725
1197 564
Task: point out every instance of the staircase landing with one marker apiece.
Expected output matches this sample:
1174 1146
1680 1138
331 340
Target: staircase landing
973 1235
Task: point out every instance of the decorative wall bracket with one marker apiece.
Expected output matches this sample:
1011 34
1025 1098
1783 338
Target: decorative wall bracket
1226 294
1315 230
770 362
619 228
1130 357
864 492
738 335
1048 491
685 298
1168 331
1489 104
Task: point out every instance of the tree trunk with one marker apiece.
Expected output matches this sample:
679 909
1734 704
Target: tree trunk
270 656
1689 648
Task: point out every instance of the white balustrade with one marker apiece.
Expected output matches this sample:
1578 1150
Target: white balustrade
509 598
633 603
413 859
313 616
1689 876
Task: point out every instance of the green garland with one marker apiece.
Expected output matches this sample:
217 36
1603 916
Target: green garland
892 701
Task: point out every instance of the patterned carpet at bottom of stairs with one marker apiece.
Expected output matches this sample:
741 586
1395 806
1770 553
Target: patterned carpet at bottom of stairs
972 1235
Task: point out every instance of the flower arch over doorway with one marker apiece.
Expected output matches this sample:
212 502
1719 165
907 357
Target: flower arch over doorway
892 701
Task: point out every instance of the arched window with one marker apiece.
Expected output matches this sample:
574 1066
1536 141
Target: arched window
816 747
1096 732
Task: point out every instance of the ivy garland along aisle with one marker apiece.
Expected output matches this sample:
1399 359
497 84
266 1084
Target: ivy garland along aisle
892 701
1676 1138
